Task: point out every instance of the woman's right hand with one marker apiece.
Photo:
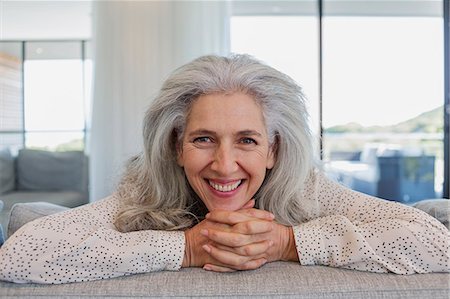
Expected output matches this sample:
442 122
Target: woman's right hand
194 254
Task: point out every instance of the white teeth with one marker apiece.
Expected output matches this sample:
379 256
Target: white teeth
225 188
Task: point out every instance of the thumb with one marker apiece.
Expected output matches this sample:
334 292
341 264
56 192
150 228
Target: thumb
249 204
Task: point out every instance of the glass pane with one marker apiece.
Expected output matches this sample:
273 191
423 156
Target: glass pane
54 98
53 50
295 52
13 141
11 103
383 100
52 141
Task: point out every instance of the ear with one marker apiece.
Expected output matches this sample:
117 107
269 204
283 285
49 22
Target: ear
270 159
272 155
178 144
180 158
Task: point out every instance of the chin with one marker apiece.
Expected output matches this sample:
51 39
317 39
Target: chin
226 207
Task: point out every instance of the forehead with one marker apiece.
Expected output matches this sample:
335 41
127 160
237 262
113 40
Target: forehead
222 111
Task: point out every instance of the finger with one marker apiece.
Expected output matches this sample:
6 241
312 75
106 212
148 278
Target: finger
253 227
231 218
253 264
232 260
216 268
256 213
231 239
251 250
250 204
226 258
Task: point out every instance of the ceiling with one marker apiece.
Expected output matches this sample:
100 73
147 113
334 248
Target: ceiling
45 20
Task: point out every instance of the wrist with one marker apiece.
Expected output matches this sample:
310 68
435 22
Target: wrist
290 252
187 258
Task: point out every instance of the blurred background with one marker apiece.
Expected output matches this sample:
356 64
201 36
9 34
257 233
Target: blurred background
78 75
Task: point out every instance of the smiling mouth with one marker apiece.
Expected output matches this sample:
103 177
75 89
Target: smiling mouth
225 187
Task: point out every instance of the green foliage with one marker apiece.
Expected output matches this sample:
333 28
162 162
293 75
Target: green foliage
427 122
73 145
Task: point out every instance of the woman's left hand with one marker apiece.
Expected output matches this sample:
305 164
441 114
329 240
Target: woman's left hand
249 234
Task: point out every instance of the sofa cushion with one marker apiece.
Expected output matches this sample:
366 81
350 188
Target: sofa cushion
273 280
438 208
70 199
29 201
22 213
43 170
2 238
7 172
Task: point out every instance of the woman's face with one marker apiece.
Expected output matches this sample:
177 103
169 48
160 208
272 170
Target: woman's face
225 150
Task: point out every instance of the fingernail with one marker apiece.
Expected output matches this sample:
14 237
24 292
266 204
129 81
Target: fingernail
271 216
206 248
207 268
270 243
207 215
204 232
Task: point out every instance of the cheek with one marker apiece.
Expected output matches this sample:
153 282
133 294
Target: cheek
255 167
256 162
195 161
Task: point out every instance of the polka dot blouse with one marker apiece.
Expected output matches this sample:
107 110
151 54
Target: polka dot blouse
352 231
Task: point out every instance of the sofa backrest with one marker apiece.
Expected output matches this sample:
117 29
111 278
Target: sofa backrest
38 170
7 171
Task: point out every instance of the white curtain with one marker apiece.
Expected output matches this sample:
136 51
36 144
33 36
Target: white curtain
137 44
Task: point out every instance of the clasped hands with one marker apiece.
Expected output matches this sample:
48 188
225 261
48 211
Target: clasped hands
245 239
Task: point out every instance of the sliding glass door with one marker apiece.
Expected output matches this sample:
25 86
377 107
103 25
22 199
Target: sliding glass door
383 97
373 72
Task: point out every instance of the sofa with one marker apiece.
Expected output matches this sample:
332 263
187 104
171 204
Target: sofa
273 280
386 171
2 238
36 175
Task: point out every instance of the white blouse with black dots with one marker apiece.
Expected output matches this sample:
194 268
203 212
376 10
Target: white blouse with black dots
353 231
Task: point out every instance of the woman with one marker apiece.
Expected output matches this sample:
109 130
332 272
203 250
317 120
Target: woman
225 135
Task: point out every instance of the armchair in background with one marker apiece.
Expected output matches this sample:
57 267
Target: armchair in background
35 175
386 171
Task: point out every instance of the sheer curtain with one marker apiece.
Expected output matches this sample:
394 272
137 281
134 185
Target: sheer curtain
137 44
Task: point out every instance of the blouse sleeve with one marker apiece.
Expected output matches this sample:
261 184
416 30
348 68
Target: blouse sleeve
82 244
357 231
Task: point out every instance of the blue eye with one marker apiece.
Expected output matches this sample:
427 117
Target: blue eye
248 140
202 139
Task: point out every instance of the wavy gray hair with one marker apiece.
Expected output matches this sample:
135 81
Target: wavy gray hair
154 188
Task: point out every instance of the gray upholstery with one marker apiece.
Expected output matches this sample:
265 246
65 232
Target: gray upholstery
274 280
55 177
438 208
21 213
63 198
44 170
7 175
2 238
69 199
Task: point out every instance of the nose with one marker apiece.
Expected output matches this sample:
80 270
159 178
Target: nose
225 162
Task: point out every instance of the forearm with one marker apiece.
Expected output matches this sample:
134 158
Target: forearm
389 245
83 244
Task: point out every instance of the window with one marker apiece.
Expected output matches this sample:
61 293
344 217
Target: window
287 42
375 71
11 95
388 139
46 106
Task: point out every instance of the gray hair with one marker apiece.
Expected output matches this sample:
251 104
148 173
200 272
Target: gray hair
154 188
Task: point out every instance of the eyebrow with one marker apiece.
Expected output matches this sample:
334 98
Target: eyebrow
240 133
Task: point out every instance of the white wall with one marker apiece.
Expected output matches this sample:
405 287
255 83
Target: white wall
45 20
